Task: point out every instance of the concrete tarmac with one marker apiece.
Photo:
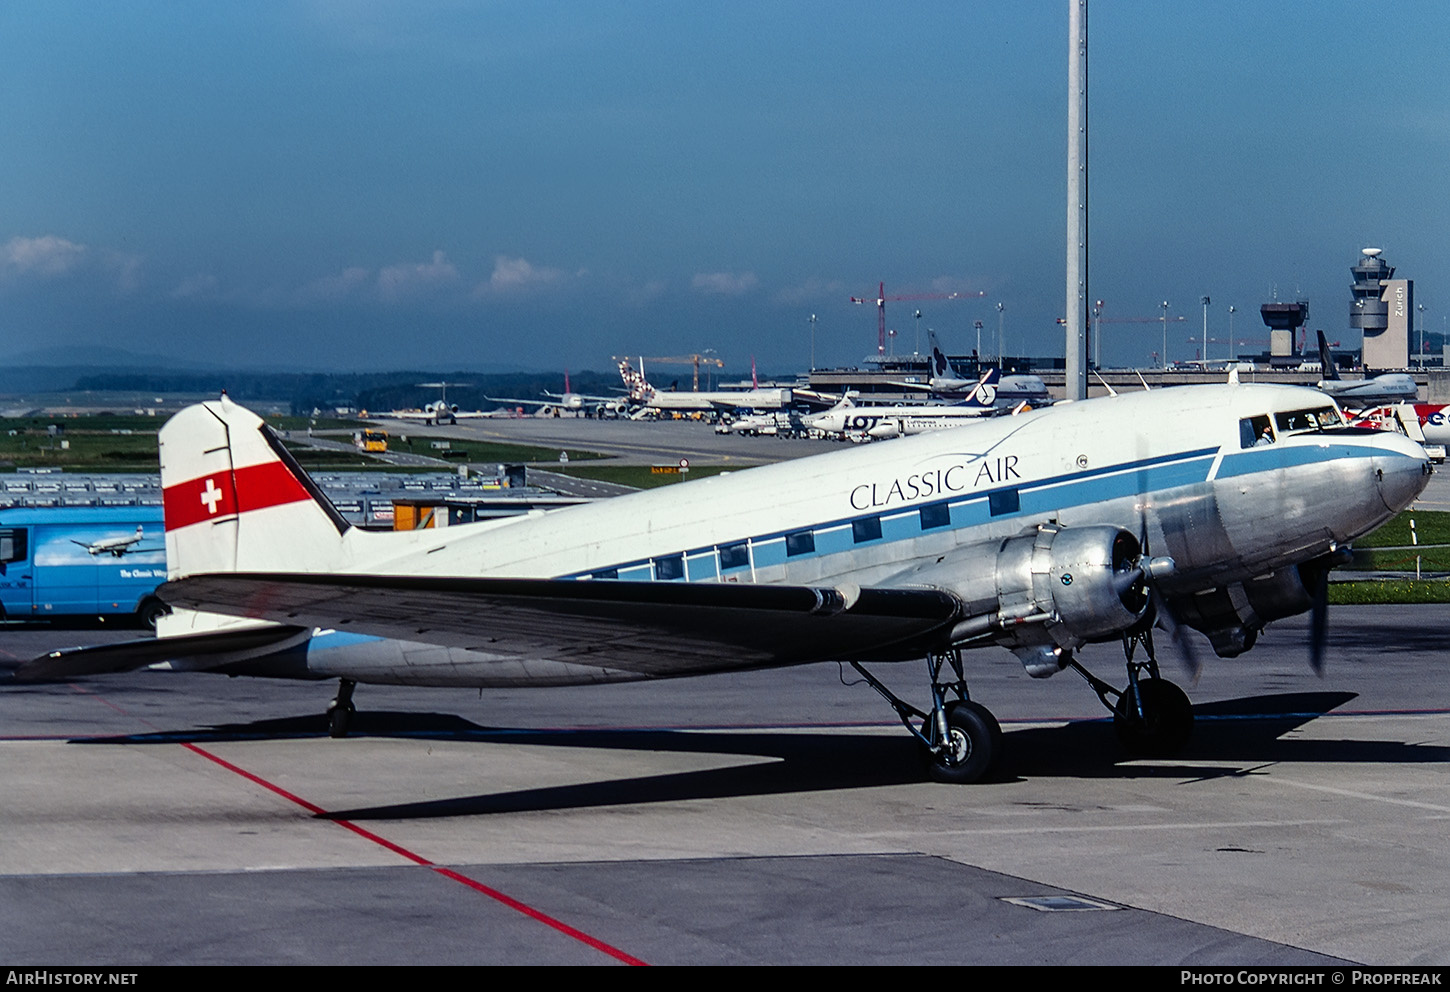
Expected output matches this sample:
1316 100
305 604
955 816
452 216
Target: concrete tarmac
762 818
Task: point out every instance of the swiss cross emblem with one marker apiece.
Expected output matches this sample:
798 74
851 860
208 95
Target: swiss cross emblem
211 496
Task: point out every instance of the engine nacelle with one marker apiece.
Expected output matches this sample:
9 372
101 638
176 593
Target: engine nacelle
885 429
1048 591
1233 615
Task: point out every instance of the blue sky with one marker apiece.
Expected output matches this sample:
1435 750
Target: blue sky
350 185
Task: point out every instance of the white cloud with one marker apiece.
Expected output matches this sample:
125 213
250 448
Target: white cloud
200 286
396 281
517 273
124 269
652 290
724 283
813 291
44 257
331 289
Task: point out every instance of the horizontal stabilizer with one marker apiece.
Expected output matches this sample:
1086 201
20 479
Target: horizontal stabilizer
656 629
129 655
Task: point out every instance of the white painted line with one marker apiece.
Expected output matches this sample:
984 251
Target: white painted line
1352 794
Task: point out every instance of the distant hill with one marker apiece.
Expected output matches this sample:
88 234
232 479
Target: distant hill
304 391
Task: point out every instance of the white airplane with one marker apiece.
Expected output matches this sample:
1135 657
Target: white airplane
1380 390
438 412
879 422
114 546
649 399
1433 420
570 401
1040 533
1011 389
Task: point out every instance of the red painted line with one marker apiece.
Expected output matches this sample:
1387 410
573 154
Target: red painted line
418 859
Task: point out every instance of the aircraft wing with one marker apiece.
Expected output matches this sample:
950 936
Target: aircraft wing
124 656
654 628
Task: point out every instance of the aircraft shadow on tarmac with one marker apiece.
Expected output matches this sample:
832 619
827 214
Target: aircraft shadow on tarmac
1234 736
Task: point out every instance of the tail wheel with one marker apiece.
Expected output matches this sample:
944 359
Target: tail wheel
974 739
1158 722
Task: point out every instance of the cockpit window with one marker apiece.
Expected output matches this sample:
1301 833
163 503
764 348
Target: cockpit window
1255 431
1308 420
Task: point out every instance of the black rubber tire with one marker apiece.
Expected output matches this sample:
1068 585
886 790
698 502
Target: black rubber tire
339 719
151 610
977 741
1166 723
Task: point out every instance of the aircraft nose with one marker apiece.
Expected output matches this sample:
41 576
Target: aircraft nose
1402 469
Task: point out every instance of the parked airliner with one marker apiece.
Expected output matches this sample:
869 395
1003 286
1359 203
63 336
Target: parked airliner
1219 508
876 422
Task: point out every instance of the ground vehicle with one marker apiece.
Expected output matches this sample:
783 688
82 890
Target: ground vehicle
371 440
72 561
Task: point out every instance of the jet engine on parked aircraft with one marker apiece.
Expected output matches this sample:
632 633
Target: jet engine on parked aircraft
1050 590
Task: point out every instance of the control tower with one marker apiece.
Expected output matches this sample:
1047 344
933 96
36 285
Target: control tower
1283 319
1381 309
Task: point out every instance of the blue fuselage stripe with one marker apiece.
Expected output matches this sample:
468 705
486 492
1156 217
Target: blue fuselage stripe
1051 494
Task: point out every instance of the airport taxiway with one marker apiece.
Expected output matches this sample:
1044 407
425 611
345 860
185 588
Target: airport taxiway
761 818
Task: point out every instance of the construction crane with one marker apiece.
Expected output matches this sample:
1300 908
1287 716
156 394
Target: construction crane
881 298
693 360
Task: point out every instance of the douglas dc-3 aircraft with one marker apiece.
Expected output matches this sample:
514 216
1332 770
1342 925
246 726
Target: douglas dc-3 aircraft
1220 508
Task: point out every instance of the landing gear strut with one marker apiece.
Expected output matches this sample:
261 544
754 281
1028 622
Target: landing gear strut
1151 716
341 711
962 738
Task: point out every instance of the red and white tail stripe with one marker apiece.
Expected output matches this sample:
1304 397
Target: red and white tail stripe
233 503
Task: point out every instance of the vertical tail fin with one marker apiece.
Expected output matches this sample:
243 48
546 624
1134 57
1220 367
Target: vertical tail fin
235 500
941 368
1326 359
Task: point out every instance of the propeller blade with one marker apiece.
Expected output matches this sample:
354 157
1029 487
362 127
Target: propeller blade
1187 653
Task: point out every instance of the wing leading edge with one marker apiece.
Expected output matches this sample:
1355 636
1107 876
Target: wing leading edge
656 629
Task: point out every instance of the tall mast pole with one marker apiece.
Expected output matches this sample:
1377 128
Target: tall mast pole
1075 379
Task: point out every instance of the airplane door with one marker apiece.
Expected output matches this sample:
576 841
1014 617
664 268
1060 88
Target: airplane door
17 573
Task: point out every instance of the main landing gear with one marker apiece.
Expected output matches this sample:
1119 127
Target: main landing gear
341 711
962 738
1152 716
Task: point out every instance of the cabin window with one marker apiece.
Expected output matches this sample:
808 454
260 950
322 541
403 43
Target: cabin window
935 515
1255 432
1307 420
866 529
734 555
670 568
1004 501
13 545
606 573
802 542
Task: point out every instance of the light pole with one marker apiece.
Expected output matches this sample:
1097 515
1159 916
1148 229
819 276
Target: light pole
917 350
1231 343
1001 346
1421 307
1098 334
813 342
978 325
1204 355
1164 305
